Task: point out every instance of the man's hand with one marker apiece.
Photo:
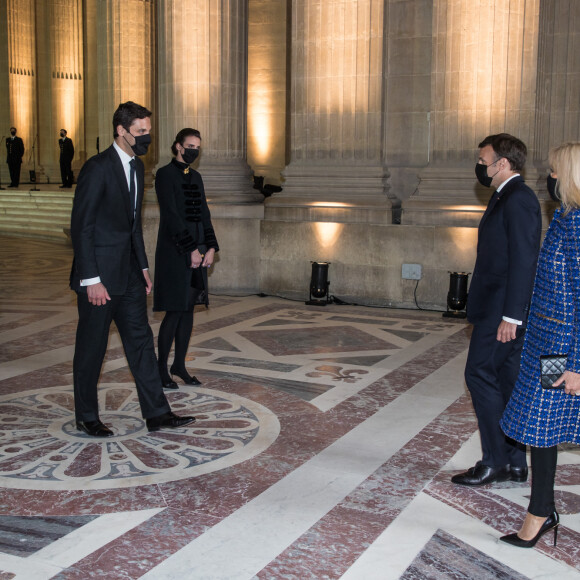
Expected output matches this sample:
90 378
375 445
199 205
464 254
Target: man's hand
97 294
572 386
506 331
148 283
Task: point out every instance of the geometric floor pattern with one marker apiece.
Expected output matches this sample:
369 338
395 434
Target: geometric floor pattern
323 449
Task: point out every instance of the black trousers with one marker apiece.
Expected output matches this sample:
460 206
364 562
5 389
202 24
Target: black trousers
129 312
66 173
544 460
14 168
490 373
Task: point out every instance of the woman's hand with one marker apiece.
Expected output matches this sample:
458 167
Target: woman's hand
572 382
196 259
208 258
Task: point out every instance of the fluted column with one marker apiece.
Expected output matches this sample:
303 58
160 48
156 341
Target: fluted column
203 48
336 97
483 82
60 81
558 99
126 62
202 84
22 73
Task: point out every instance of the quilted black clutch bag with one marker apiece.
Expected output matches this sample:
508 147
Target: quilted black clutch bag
552 366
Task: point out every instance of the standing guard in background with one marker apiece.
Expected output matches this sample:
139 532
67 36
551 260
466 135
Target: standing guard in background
67 152
14 154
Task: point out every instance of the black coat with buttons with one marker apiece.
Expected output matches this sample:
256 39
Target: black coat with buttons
184 226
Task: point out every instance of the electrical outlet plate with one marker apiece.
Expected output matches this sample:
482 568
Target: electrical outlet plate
411 272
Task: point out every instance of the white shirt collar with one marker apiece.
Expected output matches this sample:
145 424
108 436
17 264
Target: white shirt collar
502 184
125 158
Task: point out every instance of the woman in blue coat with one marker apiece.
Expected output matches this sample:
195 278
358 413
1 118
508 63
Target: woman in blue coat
186 247
541 417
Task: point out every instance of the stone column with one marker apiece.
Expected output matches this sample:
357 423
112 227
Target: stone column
407 81
5 75
203 84
60 81
126 62
91 84
336 120
483 82
334 205
267 74
202 80
22 75
558 94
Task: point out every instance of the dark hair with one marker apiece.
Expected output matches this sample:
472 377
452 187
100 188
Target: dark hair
182 136
126 113
508 146
13 128
63 131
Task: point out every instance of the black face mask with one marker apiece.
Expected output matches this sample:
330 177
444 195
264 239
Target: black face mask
189 155
481 173
62 135
551 185
142 143
12 133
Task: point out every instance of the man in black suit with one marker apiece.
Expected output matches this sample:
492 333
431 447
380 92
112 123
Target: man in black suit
110 274
14 154
67 152
498 303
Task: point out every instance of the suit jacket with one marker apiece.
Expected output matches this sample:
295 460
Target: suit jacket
14 149
103 231
507 253
67 149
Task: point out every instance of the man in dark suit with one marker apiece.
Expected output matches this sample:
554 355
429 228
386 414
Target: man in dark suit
498 303
110 274
67 152
14 154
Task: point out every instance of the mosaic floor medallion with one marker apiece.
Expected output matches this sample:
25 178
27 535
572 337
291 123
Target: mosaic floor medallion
40 447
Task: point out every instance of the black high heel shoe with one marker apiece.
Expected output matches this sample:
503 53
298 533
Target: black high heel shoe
166 381
552 522
184 376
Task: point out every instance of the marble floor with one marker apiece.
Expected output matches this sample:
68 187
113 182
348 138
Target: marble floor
323 448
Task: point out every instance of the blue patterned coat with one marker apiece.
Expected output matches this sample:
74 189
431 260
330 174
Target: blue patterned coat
546 417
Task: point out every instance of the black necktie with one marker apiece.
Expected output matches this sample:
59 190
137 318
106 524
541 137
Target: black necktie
132 163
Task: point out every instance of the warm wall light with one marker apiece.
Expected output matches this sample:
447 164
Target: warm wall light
327 233
260 123
330 204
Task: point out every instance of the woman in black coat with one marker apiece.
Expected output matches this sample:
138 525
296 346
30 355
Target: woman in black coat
186 246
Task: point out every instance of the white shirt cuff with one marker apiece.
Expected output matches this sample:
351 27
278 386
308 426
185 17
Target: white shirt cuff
90 281
512 321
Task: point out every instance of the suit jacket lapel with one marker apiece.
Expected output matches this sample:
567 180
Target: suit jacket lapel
140 189
121 178
490 205
505 190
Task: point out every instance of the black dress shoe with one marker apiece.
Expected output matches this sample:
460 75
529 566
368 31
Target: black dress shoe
184 376
169 384
94 428
552 522
519 473
481 474
170 420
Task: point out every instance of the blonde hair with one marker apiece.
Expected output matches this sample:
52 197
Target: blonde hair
565 162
